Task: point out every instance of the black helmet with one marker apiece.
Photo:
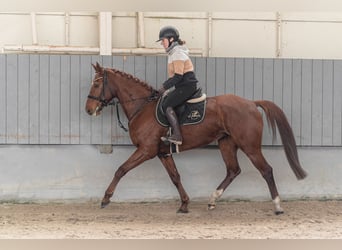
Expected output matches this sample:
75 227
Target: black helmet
168 32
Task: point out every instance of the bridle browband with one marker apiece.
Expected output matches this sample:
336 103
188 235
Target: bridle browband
154 95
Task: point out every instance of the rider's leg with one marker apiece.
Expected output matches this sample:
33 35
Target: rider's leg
176 136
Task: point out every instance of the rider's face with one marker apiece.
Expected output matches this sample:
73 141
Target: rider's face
165 43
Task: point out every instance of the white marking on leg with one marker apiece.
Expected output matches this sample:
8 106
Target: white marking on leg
278 208
214 196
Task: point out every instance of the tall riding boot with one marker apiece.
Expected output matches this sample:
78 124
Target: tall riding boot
176 136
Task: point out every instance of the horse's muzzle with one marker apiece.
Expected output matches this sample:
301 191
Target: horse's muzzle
95 112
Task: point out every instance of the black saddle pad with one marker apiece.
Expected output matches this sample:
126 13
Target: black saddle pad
187 113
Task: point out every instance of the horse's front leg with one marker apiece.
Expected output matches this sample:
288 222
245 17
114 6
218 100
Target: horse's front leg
171 169
138 157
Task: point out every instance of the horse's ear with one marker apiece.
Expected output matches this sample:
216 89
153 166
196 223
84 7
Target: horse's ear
97 67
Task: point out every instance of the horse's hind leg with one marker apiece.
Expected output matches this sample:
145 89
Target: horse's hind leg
171 169
267 172
229 154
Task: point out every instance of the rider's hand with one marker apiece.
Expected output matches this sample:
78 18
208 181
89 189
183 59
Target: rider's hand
161 90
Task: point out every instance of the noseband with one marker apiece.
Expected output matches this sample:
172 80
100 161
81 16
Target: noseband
101 98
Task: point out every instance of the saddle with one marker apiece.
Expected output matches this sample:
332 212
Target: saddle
188 113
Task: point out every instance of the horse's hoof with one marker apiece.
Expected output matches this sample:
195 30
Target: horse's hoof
182 211
211 206
278 212
104 204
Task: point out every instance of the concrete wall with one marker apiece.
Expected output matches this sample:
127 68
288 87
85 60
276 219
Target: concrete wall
80 172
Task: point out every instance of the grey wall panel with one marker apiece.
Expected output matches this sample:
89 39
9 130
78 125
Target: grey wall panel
306 97
75 99
55 100
239 77
200 67
220 72
267 79
12 100
337 103
34 100
248 78
317 102
258 79
3 99
210 80
296 99
151 71
65 100
140 67
327 109
44 72
23 99
43 96
230 75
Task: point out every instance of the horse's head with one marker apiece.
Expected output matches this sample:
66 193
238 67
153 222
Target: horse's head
100 94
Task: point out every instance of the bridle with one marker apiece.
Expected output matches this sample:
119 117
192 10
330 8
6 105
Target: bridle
154 95
101 98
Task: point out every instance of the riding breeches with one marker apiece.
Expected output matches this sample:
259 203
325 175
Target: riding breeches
179 95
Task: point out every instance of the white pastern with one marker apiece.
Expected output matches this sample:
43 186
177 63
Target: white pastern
215 195
278 208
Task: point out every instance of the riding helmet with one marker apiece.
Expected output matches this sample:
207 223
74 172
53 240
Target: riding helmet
168 32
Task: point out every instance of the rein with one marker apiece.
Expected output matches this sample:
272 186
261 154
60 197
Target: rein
154 96
118 116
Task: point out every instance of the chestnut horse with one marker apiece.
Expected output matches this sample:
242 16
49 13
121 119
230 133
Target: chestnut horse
234 122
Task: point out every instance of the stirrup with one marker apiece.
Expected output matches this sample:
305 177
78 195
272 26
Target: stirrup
169 139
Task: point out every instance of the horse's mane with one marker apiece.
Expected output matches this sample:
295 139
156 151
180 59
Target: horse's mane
137 80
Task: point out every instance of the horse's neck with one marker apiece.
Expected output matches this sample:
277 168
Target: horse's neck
132 96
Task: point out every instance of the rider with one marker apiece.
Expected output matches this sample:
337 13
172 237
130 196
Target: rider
181 76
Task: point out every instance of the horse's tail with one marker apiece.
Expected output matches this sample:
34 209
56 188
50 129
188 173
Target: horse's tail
275 116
